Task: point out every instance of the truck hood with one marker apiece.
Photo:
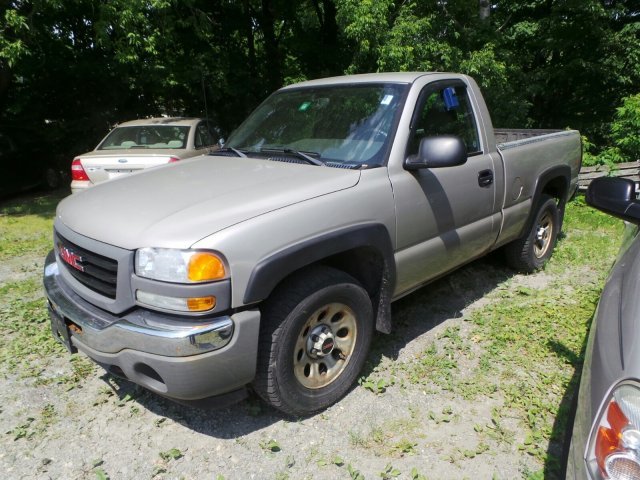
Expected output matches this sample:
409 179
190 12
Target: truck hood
175 205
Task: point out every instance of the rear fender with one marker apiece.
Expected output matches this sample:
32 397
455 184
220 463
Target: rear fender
555 182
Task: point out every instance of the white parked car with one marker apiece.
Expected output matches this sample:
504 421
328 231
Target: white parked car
139 144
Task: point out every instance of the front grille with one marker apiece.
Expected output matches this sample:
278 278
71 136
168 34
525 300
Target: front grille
94 271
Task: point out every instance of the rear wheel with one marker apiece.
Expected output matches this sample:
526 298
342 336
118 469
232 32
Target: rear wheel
531 252
315 335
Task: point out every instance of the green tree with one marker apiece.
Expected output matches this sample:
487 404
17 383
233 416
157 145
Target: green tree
83 65
625 129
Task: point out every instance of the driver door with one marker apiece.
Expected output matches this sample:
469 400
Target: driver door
446 216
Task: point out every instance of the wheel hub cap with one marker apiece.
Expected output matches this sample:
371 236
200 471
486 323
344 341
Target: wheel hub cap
320 342
542 239
324 345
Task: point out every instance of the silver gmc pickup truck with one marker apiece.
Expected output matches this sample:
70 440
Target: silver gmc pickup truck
271 262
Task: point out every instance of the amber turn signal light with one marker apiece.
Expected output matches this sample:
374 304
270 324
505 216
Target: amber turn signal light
205 266
201 304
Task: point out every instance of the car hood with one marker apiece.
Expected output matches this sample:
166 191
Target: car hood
175 205
615 350
628 269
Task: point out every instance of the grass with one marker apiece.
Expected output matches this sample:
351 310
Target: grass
25 226
523 349
520 352
534 337
26 344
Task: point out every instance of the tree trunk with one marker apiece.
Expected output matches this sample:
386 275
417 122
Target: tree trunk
274 65
485 9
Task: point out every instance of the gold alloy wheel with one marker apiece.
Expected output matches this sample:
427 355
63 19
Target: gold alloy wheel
543 235
325 344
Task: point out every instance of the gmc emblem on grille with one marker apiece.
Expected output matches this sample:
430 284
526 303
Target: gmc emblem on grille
70 257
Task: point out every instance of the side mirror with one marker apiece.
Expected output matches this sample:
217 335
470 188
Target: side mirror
615 196
438 152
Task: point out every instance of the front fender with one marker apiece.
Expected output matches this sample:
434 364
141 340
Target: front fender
270 271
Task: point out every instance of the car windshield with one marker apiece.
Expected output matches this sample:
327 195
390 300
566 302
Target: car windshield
146 136
342 123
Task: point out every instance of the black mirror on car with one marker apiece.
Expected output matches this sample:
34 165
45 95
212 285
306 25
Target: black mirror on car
438 152
615 196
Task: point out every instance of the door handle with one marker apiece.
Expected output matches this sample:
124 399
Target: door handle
485 178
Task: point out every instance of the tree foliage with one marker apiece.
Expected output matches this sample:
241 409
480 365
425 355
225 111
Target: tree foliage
83 65
625 129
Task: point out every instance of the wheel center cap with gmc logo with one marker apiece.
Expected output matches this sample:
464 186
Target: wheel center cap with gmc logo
320 342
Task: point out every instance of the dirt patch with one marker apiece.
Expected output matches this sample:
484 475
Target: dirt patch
73 421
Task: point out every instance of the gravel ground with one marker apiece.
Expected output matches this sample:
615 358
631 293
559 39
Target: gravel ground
70 420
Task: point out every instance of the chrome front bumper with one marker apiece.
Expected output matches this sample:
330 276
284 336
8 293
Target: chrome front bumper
182 358
140 330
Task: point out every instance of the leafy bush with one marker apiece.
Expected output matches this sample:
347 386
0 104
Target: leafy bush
625 137
625 129
589 158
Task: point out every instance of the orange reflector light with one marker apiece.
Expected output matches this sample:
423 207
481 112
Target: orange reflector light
201 304
617 420
606 442
204 266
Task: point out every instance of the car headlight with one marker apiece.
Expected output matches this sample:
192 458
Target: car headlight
179 266
614 450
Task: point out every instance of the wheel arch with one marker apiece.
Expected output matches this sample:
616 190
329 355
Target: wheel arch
554 182
364 251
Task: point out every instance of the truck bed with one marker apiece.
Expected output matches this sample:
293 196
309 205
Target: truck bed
506 135
510 139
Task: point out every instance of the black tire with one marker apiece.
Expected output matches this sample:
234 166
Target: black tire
531 252
315 334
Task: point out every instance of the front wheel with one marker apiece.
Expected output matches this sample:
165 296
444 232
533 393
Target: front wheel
315 335
531 252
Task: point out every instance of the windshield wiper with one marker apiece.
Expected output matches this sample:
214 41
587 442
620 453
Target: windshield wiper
302 155
228 149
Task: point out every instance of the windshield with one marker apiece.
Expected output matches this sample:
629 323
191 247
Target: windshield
343 123
146 136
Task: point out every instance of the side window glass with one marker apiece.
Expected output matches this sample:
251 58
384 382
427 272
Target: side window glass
445 110
201 139
205 135
214 135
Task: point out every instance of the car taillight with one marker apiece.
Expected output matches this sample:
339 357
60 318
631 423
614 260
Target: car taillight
173 159
614 453
77 171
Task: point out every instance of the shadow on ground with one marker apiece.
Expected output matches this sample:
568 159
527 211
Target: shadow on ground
438 302
413 316
558 450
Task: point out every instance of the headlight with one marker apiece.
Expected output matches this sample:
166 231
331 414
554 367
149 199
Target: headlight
614 453
179 266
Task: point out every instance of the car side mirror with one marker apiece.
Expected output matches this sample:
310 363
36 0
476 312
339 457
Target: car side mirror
615 196
438 152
